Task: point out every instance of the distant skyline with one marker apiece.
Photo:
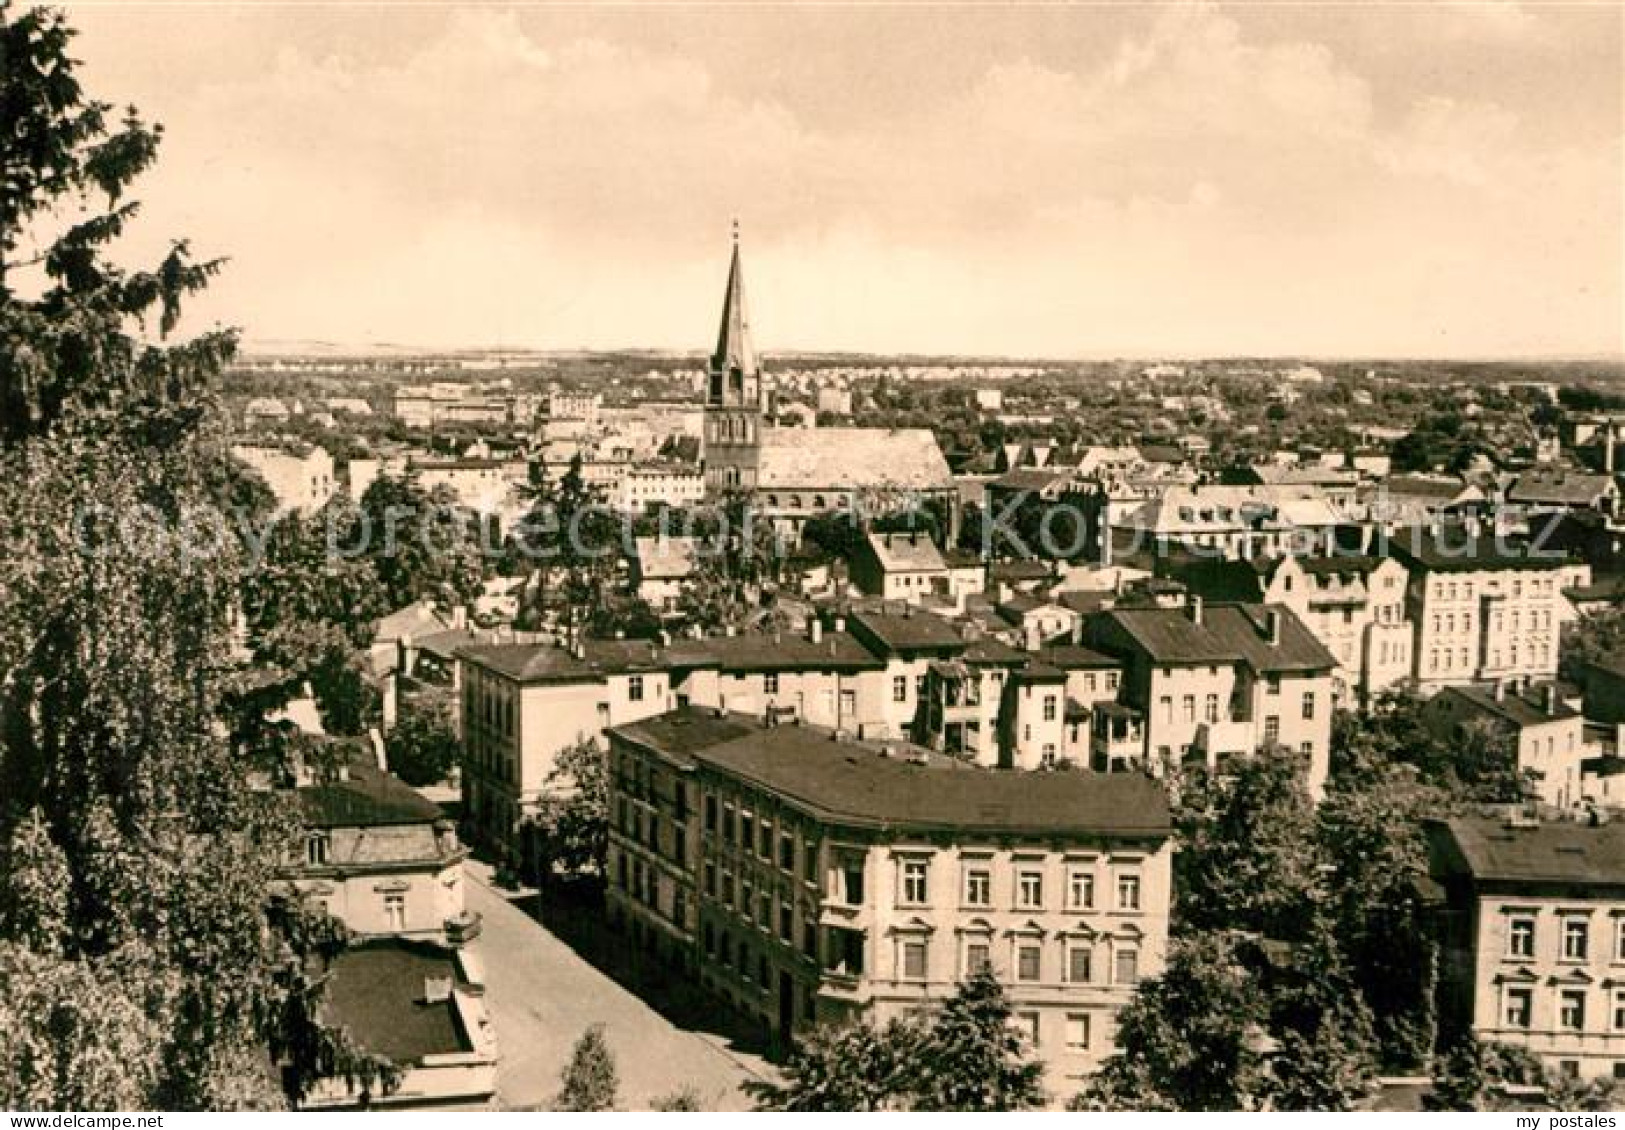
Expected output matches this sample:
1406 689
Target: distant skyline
1413 180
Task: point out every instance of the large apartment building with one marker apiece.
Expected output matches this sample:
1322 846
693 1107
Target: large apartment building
1534 935
1207 682
804 878
1486 610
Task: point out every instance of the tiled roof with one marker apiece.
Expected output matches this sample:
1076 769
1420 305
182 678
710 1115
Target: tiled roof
1461 550
1073 657
369 798
1569 853
908 630
1527 709
906 553
1228 633
665 557
1560 486
851 782
847 458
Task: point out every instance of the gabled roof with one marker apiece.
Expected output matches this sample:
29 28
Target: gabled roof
1228 633
851 458
665 558
906 631
906 553
1516 709
417 619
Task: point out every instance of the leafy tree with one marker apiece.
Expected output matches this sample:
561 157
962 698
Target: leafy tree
573 815
159 976
1190 1039
967 1056
684 1100
422 544
850 1067
1326 1050
972 1058
423 749
589 1082
1246 858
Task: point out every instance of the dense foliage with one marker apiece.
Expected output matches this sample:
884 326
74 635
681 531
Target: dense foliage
965 1056
146 963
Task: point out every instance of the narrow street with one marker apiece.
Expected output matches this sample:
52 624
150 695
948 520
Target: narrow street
542 995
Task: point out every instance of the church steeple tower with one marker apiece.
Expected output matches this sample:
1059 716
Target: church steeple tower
734 349
733 402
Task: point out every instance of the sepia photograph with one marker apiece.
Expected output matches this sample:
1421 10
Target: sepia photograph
828 556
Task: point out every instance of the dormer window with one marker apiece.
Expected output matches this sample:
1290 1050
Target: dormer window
318 849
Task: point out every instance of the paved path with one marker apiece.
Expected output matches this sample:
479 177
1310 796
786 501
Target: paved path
542 995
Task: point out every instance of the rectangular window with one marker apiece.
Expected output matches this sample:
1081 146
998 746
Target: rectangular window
852 883
1127 970
1188 707
978 956
711 879
1030 890
634 688
1128 892
711 814
1576 939
1080 890
1272 729
1571 1010
978 886
1619 1010
914 961
1049 708
915 882
1080 965
1619 940
1521 937
747 831
786 922
1308 704
1077 1031
1027 962
395 910
770 683
1518 1007
787 852
1210 708
899 688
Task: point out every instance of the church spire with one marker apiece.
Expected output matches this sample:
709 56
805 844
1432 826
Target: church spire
734 349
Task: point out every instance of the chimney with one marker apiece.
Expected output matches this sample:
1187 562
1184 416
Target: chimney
1500 691
1034 636
378 750
1551 698
459 616
392 700
403 654
1272 622
1193 605
815 629
839 625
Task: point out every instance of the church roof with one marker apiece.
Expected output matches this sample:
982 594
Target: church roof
734 348
851 458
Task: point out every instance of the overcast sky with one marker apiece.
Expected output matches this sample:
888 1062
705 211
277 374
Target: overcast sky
1412 179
